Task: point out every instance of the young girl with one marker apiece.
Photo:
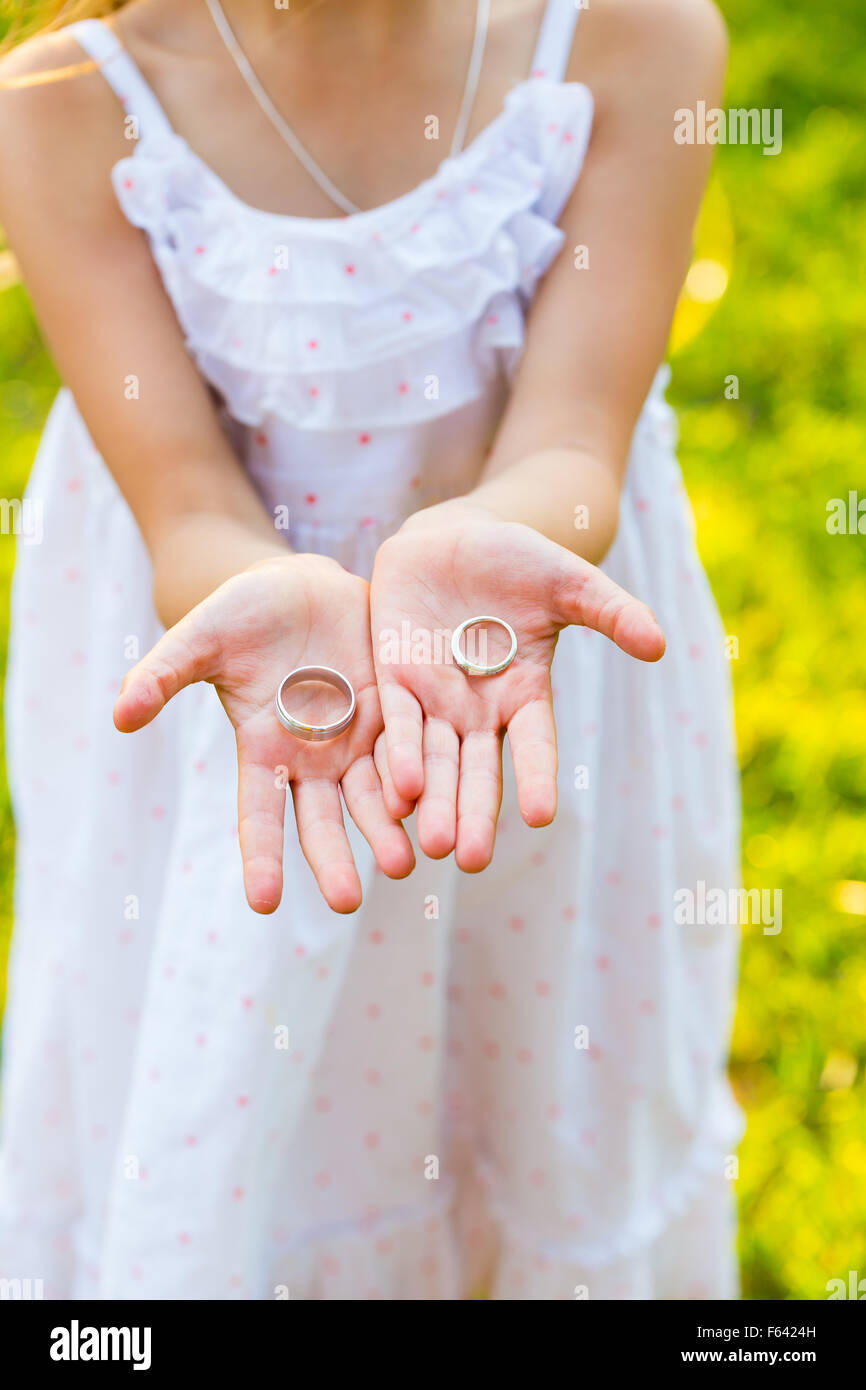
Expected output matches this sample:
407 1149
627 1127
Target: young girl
359 305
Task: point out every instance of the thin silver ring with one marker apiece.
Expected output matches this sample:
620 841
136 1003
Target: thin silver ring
473 668
315 733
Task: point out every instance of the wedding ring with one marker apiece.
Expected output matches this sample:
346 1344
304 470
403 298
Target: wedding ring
474 668
315 733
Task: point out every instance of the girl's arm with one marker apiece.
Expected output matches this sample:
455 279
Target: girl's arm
596 335
107 318
595 339
244 610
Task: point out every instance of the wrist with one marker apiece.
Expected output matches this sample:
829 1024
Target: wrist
567 494
199 552
454 511
301 562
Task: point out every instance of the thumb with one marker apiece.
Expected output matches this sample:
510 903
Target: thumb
586 597
188 652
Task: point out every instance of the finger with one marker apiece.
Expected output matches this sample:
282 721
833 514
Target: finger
403 733
586 596
365 803
261 815
532 740
437 806
479 797
188 652
322 835
398 806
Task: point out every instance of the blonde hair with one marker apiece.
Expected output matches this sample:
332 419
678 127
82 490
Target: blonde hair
43 16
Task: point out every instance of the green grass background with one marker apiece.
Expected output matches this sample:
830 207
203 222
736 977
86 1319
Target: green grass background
760 471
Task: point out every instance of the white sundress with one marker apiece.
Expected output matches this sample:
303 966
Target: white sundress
525 1093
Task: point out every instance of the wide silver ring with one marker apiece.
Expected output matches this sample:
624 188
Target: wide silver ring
315 733
473 668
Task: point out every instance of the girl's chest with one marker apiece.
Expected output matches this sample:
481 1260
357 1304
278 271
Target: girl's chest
376 122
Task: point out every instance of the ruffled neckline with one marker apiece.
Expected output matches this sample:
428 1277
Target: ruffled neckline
451 169
390 316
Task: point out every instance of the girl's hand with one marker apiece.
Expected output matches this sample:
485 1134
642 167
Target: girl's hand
300 610
444 729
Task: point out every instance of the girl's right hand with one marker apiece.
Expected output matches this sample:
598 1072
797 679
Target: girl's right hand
301 610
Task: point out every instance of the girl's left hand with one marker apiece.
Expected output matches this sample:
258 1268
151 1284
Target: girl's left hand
444 729
295 610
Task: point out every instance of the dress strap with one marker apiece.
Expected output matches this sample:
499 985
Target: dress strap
100 41
555 39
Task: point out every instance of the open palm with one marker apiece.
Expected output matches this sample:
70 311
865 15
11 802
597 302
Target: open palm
244 638
444 729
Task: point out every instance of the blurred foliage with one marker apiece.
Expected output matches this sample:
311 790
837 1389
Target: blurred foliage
760 471
790 230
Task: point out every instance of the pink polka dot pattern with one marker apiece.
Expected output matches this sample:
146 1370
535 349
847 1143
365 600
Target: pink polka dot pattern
203 1103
